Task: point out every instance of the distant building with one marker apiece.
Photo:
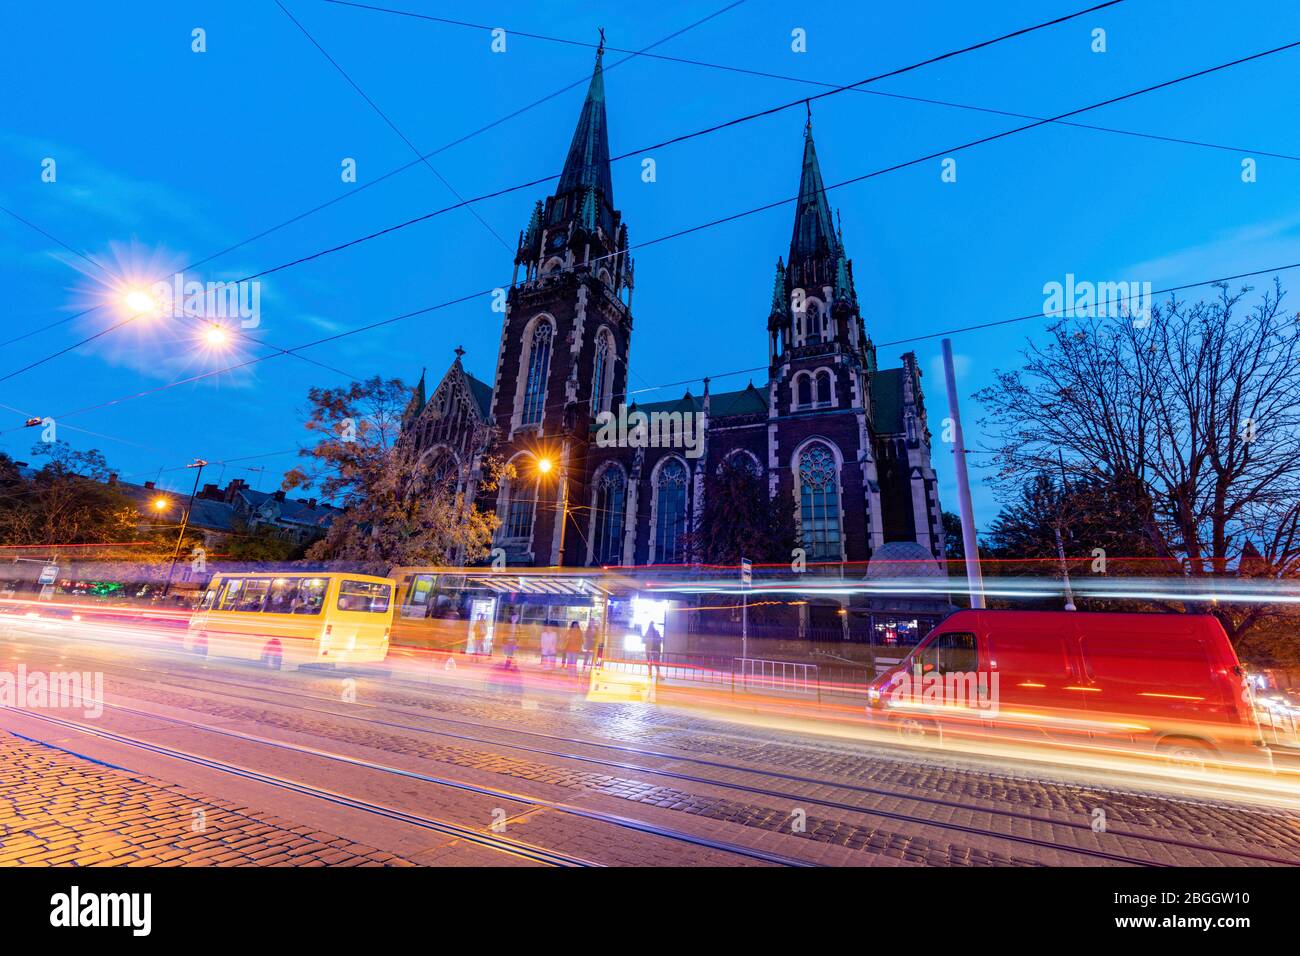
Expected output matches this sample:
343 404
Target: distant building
221 512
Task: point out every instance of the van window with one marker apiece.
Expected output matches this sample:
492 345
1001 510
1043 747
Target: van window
253 594
364 596
230 594
311 596
948 653
209 596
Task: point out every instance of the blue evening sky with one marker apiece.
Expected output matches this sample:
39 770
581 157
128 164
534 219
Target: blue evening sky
165 156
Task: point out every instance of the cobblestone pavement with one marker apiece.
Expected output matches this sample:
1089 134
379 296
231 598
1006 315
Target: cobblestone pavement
57 809
1234 826
861 803
869 839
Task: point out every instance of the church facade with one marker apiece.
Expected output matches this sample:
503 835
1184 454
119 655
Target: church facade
843 442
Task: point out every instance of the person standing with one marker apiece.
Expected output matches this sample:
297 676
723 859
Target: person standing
512 638
589 637
572 644
654 650
549 640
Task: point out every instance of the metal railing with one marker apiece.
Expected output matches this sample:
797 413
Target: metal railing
779 675
744 673
679 667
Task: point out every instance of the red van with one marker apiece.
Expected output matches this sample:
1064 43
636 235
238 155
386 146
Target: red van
1168 683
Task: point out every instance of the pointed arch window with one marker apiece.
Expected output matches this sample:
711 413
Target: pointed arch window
600 374
670 513
607 505
521 503
825 388
819 503
443 470
539 364
813 324
804 391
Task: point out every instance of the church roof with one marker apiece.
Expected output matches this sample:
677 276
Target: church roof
746 401
814 231
887 398
482 393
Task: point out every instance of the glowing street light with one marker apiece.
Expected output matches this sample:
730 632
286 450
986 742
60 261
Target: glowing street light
141 302
544 466
216 336
161 504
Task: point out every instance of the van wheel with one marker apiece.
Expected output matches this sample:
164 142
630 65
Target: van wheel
201 646
1193 755
916 730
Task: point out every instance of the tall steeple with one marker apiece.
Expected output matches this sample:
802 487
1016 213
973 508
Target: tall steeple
814 302
814 246
577 227
585 186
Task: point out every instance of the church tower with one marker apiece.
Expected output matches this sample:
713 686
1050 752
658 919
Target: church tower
564 348
819 404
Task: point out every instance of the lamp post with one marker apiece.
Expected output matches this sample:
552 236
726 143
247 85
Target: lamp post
197 464
548 464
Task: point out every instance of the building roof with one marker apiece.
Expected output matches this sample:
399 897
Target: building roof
295 511
902 559
746 401
207 514
219 514
482 393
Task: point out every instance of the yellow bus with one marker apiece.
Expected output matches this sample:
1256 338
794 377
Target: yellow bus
286 620
480 611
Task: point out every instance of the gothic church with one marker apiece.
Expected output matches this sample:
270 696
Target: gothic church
843 442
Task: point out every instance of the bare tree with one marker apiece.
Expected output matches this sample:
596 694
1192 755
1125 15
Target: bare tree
1193 416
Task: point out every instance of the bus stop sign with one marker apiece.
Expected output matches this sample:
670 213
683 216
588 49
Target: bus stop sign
746 572
49 574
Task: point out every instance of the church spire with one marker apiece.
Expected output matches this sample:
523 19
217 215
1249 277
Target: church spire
586 168
814 231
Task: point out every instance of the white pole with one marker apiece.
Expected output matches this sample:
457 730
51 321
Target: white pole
974 579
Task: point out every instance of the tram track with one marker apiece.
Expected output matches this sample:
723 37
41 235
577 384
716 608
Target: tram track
677 775
493 841
786 796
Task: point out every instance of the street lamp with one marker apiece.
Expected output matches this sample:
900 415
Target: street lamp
140 302
216 336
161 504
545 466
